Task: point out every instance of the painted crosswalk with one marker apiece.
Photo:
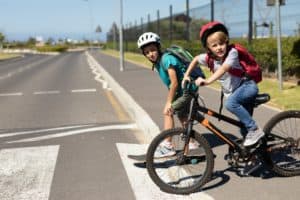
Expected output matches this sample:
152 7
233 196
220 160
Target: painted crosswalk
26 173
141 183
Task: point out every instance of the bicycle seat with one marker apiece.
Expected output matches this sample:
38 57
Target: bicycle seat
261 98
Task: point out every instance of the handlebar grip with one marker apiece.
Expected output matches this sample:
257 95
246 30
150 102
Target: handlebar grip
185 84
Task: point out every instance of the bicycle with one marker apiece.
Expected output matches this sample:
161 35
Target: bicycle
188 170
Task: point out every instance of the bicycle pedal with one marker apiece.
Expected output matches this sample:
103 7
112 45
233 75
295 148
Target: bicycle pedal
250 168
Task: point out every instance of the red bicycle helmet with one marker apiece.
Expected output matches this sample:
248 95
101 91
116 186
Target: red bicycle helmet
210 28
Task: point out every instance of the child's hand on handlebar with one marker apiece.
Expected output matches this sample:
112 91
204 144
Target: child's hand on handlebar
184 80
200 82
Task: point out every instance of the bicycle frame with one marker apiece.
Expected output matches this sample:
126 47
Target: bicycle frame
195 115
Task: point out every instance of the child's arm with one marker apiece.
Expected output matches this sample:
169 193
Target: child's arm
215 76
172 91
192 65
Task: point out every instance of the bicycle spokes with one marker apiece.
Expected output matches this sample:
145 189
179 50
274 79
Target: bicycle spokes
183 172
283 143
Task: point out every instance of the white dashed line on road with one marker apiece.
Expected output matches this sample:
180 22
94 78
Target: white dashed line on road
84 90
47 92
11 94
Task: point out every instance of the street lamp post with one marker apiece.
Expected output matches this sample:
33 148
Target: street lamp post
279 43
277 4
121 37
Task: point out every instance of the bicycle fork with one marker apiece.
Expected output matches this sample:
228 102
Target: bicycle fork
189 129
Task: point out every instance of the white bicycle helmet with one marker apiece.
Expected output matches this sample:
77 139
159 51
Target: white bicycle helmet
147 38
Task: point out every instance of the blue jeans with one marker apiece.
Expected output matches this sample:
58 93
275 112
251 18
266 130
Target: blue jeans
240 103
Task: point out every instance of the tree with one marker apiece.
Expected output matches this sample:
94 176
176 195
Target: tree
113 32
50 41
2 38
113 35
98 30
31 41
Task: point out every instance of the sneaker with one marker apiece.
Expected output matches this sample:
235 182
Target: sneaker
253 137
164 151
193 146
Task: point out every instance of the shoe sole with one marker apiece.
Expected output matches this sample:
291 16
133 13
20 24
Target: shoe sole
257 140
165 155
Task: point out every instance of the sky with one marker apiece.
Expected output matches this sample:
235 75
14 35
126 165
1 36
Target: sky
78 19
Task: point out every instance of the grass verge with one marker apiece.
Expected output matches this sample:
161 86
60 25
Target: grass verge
4 56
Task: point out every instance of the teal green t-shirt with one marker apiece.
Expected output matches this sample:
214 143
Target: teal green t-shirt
167 61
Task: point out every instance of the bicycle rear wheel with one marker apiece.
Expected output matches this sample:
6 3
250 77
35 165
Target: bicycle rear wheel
180 174
283 143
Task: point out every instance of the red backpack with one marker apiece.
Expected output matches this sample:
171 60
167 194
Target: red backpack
250 67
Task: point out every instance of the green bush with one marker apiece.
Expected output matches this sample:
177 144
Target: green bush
50 48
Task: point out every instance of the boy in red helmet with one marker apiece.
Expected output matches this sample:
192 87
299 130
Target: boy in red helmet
240 91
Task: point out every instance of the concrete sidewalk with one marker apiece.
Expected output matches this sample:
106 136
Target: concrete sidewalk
143 95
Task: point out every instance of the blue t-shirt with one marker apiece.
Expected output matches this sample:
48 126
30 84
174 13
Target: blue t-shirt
167 60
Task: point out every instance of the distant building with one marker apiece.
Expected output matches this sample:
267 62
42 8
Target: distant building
39 41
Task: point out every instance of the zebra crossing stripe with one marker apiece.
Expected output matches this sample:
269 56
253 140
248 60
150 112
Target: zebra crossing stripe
141 184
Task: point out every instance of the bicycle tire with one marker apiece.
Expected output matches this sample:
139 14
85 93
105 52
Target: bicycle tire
186 177
283 155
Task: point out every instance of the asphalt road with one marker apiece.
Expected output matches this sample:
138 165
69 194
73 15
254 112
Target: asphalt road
59 130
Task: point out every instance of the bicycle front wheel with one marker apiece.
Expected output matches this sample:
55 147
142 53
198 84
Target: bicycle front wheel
283 143
186 170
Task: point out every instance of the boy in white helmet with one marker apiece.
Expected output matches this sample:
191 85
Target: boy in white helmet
171 71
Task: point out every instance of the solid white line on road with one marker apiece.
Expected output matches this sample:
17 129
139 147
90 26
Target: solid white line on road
2 135
141 184
84 90
47 92
27 173
75 132
11 94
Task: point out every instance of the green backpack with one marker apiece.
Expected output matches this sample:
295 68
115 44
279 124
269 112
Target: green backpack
186 58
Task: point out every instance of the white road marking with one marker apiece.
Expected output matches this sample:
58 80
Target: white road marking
27 173
136 112
2 135
11 94
47 92
98 76
141 184
75 132
83 90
